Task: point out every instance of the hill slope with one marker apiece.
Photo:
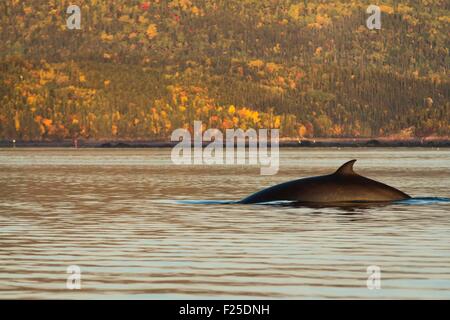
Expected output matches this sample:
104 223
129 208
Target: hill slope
140 69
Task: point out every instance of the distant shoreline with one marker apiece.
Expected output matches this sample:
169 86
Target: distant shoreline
284 143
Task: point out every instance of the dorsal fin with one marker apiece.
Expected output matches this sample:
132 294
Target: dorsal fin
346 168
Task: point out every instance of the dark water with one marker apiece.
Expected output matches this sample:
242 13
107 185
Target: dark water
140 227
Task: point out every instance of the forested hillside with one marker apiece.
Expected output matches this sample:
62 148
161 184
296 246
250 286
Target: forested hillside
140 69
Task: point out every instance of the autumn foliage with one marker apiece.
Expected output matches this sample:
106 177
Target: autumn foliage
140 69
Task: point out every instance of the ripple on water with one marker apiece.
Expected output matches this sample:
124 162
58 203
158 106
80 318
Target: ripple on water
136 227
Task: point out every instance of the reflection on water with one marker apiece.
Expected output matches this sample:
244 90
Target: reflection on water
140 227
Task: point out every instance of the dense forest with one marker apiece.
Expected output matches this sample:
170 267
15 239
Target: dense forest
140 69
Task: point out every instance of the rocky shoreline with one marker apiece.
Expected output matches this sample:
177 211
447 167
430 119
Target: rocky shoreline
285 143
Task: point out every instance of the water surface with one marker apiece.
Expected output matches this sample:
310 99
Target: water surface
140 227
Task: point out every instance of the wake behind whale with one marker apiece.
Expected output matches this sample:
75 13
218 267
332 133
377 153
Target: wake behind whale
415 201
343 188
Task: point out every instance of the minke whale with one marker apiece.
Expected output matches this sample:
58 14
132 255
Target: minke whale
344 185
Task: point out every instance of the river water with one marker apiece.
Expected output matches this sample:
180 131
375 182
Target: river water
141 227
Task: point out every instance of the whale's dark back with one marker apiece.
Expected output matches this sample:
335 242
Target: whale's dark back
342 186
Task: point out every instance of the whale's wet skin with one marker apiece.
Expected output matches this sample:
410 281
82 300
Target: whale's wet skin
342 186
140 227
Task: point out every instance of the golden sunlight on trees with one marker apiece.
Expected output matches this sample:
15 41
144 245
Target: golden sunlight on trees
151 31
140 69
